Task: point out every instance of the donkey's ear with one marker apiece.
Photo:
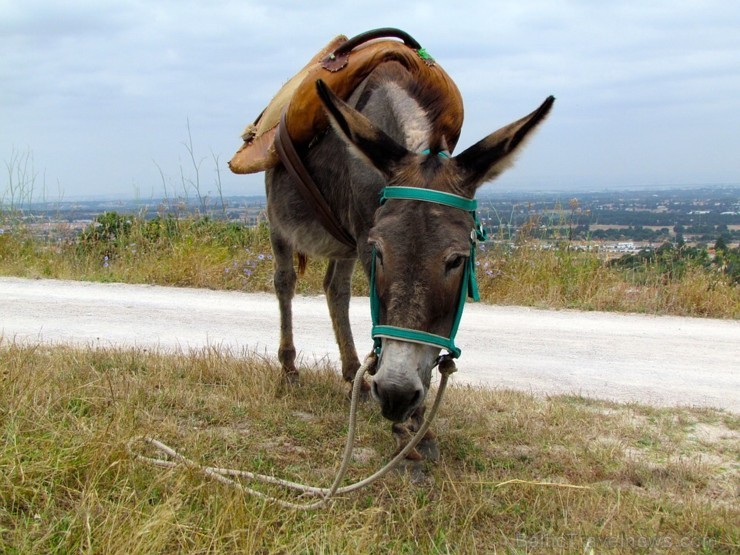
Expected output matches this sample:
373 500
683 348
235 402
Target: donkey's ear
488 158
361 135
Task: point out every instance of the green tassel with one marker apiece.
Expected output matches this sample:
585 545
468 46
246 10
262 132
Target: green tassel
424 55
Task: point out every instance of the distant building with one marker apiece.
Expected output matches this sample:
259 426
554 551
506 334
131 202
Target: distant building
621 248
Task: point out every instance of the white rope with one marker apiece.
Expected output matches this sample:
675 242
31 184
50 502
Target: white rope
447 367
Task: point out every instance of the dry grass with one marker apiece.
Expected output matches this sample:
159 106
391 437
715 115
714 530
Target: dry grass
581 280
650 480
219 255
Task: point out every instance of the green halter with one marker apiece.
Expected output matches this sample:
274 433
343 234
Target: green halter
469 283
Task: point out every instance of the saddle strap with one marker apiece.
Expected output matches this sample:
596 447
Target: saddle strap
307 187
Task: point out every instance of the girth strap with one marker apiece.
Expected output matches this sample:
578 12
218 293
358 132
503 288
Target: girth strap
307 187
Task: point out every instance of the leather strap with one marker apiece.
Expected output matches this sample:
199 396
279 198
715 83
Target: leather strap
307 187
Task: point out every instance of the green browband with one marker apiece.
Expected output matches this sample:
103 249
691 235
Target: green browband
429 195
469 283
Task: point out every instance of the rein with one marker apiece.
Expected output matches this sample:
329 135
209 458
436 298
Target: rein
469 287
169 458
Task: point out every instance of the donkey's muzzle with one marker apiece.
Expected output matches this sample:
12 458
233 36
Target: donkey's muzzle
398 401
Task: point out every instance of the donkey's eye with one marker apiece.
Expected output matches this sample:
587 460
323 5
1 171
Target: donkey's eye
379 257
454 262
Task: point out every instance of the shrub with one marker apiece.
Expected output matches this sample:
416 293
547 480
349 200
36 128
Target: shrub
106 234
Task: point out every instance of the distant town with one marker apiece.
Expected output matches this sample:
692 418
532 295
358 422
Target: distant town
617 221
611 221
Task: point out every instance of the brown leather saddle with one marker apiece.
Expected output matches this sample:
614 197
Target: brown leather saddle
342 64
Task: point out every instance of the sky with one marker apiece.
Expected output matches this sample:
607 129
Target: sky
98 98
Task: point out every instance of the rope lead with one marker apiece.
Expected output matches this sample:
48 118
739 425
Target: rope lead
223 475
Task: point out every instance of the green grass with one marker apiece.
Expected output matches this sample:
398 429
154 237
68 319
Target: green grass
201 252
648 480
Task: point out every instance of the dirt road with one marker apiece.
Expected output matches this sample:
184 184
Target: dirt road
662 360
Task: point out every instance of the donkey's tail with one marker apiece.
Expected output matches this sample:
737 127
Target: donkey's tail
302 263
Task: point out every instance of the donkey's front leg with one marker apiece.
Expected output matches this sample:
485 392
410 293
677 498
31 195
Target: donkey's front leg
427 448
284 280
338 289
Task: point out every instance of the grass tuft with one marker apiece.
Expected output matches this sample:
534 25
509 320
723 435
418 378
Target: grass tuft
518 473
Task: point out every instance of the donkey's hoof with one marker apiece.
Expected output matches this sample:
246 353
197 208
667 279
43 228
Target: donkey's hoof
414 471
429 449
291 378
426 450
402 436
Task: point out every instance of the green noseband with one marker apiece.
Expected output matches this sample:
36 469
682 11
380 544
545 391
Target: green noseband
469 283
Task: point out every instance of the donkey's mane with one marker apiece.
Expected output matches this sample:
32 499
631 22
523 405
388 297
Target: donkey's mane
411 117
415 105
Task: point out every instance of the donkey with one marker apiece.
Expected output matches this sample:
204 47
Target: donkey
381 137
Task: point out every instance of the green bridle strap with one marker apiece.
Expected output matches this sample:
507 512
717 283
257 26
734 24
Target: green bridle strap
469 282
429 195
415 336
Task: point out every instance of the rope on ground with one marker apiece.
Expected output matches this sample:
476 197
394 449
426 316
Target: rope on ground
224 475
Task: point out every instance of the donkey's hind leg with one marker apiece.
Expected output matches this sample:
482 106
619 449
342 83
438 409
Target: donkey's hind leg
338 288
284 280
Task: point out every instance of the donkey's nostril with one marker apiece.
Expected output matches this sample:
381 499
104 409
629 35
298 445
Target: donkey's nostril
416 399
396 403
376 391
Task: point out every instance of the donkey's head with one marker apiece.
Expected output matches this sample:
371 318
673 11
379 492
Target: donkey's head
421 248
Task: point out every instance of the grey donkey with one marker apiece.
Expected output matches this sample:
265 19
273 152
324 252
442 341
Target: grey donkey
379 138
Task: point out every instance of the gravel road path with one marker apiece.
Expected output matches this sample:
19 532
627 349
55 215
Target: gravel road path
661 360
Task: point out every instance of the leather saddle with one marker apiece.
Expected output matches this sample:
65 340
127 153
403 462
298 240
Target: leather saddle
342 64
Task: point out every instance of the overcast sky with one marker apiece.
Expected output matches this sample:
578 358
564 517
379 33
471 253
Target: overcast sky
100 92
